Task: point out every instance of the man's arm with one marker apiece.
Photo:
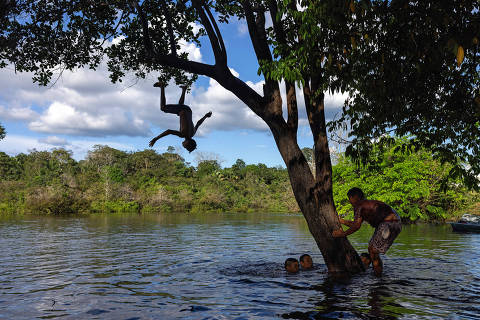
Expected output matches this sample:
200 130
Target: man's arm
348 223
163 134
354 226
199 122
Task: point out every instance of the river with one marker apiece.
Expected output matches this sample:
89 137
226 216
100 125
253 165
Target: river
223 266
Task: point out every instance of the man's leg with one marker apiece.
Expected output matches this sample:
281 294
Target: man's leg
376 261
366 259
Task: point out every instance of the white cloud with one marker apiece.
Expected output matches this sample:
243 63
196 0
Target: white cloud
65 119
192 50
17 113
54 141
15 144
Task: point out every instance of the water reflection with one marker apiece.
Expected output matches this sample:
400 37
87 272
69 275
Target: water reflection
226 266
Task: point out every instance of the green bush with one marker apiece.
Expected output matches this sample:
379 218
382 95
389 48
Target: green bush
410 182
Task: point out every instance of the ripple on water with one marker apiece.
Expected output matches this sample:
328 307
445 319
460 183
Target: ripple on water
223 267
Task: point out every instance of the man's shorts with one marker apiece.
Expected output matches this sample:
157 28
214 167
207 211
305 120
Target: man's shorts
384 235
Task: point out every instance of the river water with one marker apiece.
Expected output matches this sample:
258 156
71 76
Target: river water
223 266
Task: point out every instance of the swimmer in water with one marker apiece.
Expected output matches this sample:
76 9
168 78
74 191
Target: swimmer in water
291 265
306 262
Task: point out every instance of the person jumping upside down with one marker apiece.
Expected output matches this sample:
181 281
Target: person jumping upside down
187 130
379 215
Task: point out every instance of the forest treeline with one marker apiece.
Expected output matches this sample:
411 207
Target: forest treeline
110 180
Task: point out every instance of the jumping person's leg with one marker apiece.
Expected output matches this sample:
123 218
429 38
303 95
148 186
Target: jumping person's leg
182 97
174 108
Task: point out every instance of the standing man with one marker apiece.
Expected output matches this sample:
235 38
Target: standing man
379 215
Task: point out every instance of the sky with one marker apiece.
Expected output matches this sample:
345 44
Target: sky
83 108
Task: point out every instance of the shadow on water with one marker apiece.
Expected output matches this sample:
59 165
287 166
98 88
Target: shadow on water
223 266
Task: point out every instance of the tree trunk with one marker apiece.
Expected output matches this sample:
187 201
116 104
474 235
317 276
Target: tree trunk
316 203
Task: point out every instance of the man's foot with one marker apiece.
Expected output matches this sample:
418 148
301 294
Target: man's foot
378 268
366 260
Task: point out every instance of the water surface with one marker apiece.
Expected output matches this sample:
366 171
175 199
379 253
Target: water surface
223 266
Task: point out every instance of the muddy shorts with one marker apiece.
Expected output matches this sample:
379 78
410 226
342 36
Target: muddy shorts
384 235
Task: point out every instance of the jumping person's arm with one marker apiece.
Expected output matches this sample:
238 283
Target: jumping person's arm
199 122
163 134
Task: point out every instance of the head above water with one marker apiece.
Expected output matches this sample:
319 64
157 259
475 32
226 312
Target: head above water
306 262
291 265
189 144
354 195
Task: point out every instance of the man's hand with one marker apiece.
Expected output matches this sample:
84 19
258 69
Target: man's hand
342 221
338 233
208 115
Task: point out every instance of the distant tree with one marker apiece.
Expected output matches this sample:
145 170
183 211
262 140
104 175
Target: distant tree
411 67
207 167
2 132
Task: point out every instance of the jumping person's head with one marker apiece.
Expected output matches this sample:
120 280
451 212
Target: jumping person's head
306 262
189 144
291 265
355 195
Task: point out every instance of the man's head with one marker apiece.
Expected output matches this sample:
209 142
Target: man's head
355 195
306 262
291 265
189 144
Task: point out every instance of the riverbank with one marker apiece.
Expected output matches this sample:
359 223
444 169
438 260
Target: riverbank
109 180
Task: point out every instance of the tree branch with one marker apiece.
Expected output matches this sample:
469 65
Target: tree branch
222 75
220 55
292 108
256 28
220 38
277 27
168 18
146 36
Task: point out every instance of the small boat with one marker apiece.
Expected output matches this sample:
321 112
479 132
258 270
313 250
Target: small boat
468 223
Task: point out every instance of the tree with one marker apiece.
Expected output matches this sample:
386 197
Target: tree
356 46
2 132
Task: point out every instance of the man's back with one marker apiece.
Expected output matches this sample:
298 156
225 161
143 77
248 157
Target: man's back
373 211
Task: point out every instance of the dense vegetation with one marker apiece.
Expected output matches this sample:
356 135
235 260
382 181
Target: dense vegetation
112 180
109 180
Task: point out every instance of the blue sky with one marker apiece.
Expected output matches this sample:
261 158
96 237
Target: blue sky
84 108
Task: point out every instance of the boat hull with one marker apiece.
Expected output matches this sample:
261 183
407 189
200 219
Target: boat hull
465 227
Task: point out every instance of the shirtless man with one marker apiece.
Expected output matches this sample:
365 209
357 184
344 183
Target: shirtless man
187 130
382 217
